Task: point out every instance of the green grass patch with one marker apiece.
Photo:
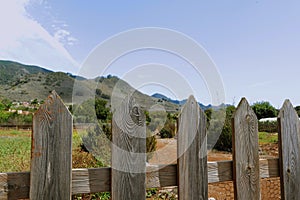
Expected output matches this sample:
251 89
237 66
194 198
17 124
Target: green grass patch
14 150
265 138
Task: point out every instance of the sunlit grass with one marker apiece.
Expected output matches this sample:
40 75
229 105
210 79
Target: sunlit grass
15 150
265 138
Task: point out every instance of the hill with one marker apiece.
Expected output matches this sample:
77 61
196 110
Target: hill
12 71
19 82
179 103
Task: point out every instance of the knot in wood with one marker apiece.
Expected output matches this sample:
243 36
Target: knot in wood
248 170
248 118
137 115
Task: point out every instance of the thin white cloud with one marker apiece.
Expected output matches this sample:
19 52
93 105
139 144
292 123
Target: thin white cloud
25 40
71 40
64 37
61 35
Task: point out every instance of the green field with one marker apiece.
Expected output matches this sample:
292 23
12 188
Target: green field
15 150
265 138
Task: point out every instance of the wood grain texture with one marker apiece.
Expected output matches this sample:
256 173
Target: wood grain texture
245 153
289 152
90 180
192 152
51 151
128 152
16 185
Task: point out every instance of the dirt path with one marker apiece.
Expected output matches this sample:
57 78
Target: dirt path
166 152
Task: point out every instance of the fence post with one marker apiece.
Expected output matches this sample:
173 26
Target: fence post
128 152
246 176
51 151
289 151
192 152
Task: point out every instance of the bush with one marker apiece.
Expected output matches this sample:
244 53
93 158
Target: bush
102 112
164 133
150 144
224 142
97 143
264 110
105 96
268 126
297 108
15 118
169 129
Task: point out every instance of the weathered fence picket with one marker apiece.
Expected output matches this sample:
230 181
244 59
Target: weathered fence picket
51 151
289 151
52 177
128 152
192 152
245 153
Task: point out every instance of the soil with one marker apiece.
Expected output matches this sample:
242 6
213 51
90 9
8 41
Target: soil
167 154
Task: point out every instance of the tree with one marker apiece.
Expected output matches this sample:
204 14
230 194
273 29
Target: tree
208 113
224 142
169 128
35 103
148 118
264 109
2 106
86 111
297 108
6 104
102 112
98 92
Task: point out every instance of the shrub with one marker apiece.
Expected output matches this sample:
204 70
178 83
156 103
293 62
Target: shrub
224 142
165 133
150 144
105 96
264 110
97 143
268 126
297 108
169 129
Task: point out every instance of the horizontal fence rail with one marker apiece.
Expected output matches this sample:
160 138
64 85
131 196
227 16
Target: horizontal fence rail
17 185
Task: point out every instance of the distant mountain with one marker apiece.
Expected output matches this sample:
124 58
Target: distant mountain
19 82
182 102
164 98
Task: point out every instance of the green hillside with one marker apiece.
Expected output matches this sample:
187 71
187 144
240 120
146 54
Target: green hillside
12 71
20 82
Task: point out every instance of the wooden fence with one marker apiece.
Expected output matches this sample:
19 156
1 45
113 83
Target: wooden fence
52 176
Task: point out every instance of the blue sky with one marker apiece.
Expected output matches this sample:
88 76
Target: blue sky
254 44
